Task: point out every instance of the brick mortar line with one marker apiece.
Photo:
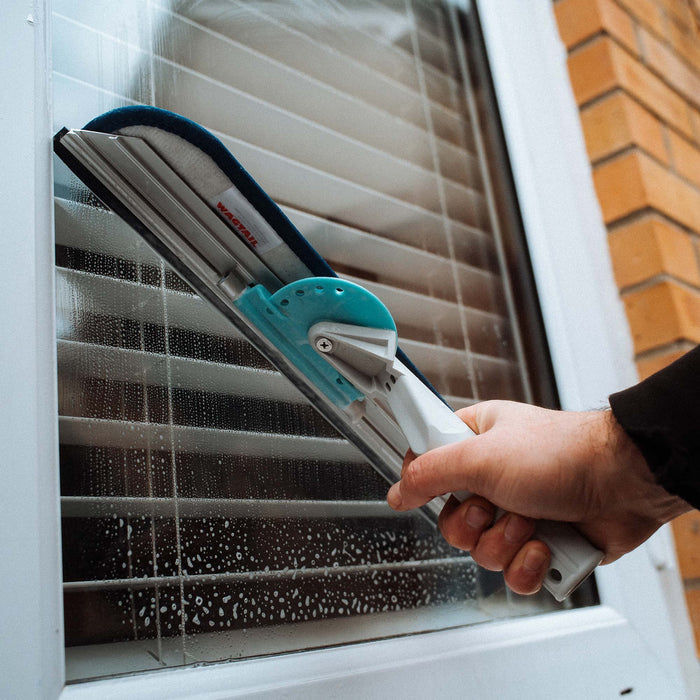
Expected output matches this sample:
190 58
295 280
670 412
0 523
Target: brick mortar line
621 153
691 183
665 349
691 584
666 136
695 10
657 279
672 158
621 220
649 110
696 248
668 167
638 30
689 103
585 43
615 90
590 40
640 214
631 218
639 55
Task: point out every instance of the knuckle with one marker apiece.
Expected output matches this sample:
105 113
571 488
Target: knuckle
487 555
522 582
526 573
457 536
413 477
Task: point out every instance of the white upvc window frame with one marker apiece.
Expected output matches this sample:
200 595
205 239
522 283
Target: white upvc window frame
637 638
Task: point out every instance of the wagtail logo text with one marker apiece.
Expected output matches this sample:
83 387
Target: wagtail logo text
229 215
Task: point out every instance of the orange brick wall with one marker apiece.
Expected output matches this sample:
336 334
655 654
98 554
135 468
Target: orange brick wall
635 72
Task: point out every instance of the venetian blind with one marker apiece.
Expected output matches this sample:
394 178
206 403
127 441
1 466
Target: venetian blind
208 512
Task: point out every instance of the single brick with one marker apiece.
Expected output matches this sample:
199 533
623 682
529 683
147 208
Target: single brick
620 187
579 20
686 158
686 532
635 181
649 247
592 71
662 314
692 601
616 122
670 194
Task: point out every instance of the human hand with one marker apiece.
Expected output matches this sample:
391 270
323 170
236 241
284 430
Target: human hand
536 463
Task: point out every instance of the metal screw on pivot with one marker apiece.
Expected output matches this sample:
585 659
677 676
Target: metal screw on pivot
323 344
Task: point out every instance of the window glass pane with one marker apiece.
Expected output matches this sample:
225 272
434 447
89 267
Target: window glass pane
208 511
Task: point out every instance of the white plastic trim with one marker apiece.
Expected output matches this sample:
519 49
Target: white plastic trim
580 654
31 644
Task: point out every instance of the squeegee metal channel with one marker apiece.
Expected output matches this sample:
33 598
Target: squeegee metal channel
146 185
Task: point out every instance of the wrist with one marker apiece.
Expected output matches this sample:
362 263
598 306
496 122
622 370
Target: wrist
638 489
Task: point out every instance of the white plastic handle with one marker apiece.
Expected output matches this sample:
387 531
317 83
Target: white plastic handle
428 423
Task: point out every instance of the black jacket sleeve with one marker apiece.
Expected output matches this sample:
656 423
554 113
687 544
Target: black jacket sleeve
662 416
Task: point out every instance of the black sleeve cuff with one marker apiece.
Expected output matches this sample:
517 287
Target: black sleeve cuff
662 416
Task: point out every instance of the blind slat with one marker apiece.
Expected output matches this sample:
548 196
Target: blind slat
216 57
485 295
262 576
113 433
126 299
231 63
121 299
96 507
309 189
125 364
358 34
118 298
326 64
99 230
86 227
371 253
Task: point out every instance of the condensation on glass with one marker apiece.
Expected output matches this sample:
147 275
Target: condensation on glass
208 512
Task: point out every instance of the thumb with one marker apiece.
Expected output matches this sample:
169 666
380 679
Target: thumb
456 467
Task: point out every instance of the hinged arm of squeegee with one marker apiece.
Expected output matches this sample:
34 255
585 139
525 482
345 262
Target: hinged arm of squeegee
367 358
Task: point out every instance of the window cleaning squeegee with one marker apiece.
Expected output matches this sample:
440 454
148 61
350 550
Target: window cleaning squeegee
188 197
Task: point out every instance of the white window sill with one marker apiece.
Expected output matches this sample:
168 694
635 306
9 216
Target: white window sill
543 656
